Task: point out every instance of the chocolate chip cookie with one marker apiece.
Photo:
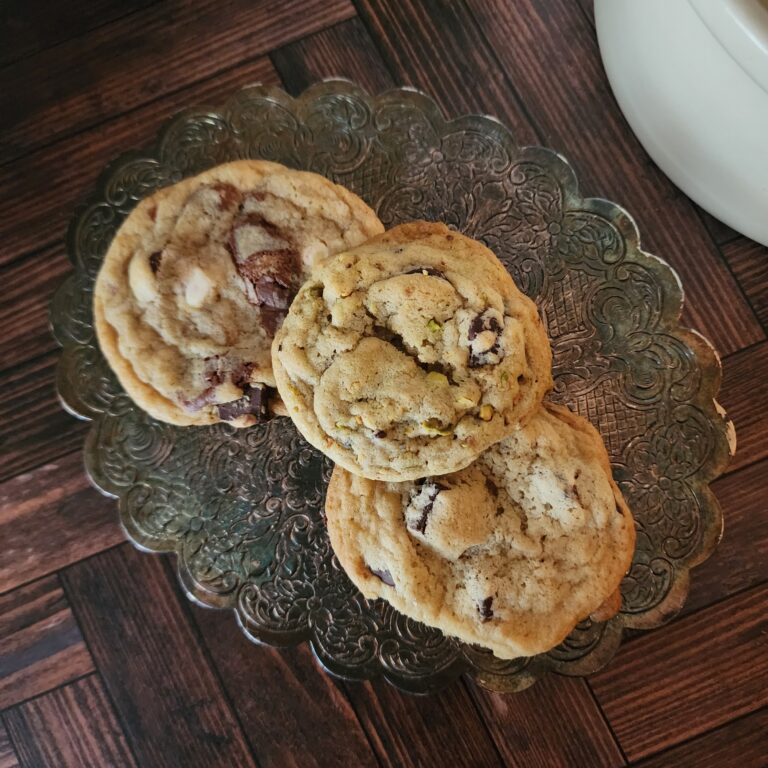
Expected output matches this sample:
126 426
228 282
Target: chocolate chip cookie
200 276
509 553
409 355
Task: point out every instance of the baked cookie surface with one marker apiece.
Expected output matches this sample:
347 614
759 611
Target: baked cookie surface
409 355
509 553
201 274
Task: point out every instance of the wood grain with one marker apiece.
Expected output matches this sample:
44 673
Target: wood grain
440 729
39 192
749 262
741 558
8 758
291 711
740 743
51 517
688 677
561 708
142 57
721 233
436 46
565 91
28 285
744 394
588 6
170 704
26 28
34 429
40 644
345 50
72 726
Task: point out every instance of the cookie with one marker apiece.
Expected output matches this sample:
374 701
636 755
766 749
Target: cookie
509 553
409 355
199 277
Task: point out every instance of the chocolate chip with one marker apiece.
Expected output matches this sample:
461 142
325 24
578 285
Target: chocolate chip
253 403
381 433
384 575
154 261
429 270
499 511
491 486
485 610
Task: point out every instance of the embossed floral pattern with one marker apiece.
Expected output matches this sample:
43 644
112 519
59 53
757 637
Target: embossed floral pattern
243 509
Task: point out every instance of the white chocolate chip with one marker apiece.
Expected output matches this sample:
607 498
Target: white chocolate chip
198 288
141 278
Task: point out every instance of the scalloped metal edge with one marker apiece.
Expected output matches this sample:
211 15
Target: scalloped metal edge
703 351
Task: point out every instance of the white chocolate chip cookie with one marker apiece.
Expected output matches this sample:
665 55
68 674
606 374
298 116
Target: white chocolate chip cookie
509 553
409 355
201 274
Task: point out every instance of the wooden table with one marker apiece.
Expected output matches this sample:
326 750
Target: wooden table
91 672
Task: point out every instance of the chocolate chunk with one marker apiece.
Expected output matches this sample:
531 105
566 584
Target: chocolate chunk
253 403
480 324
241 376
499 511
384 575
421 524
228 194
272 319
381 433
429 270
272 277
485 610
154 261
196 403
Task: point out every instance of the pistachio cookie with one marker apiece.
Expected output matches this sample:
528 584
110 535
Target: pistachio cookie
509 553
201 274
409 355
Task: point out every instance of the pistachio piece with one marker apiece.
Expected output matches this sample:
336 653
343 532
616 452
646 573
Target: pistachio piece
486 412
434 326
435 377
434 426
465 402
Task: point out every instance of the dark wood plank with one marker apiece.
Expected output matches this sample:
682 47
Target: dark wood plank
8 758
28 285
742 743
721 232
744 394
566 92
749 262
441 729
34 428
26 28
72 726
52 517
436 46
345 50
39 191
171 705
689 677
40 644
563 709
292 712
741 558
588 6
141 57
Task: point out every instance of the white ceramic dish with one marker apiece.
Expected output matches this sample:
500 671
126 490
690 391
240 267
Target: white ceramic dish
691 77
